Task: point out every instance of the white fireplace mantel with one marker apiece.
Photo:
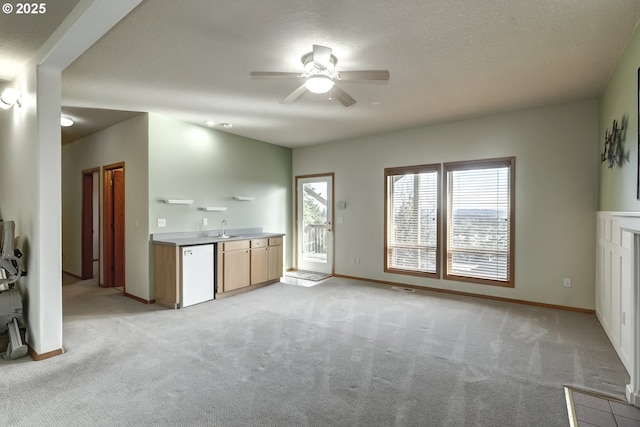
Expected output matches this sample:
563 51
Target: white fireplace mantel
630 221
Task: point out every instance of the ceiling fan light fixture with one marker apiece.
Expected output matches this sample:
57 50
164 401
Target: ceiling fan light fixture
319 84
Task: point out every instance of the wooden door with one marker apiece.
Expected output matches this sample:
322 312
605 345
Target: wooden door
118 226
87 225
113 225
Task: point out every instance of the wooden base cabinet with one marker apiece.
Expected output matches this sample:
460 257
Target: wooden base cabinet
234 264
275 269
166 275
246 263
259 261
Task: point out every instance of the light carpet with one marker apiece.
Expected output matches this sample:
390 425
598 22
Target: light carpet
343 353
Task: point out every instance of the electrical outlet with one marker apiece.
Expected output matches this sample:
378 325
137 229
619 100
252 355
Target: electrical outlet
567 282
162 222
204 221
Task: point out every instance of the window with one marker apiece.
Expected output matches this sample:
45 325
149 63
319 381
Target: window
412 220
479 221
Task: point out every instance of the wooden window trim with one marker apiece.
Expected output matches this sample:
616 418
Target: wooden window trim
482 164
412 170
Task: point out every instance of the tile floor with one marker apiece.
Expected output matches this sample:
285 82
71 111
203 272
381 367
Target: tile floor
590 410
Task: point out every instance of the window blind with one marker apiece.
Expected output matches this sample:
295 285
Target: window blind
479 233
412 219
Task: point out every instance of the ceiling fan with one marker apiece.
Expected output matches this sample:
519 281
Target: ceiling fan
320 76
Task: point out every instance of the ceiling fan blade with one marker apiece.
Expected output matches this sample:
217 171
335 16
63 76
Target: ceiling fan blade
274 74
322 56
294 95
342 96
364 75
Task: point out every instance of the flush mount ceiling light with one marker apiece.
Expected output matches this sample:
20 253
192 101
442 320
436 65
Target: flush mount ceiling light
66 121
9 97
319 84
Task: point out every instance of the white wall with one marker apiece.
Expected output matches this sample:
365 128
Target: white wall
556 195
30 171
124 142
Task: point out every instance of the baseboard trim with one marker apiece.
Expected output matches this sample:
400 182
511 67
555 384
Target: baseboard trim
37 357
75 276
142 300
469 294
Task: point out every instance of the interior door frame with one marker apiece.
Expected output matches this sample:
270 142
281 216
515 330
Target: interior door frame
107 219
87 231
297 218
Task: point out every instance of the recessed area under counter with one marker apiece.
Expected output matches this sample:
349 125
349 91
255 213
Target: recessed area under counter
246 260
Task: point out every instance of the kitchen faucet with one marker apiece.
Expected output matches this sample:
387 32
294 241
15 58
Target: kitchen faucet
224 223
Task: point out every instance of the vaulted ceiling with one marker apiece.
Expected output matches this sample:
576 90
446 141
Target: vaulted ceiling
448 59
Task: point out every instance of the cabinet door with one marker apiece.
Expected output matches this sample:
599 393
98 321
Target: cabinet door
166 275
236 269
275 262
259 265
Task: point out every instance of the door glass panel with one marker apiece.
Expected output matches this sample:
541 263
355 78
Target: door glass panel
315 222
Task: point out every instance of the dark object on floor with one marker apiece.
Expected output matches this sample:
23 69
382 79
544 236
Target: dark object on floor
10 299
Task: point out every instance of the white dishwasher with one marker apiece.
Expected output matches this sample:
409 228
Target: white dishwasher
198 281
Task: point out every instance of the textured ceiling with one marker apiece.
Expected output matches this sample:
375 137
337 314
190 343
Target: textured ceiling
22 34
448 59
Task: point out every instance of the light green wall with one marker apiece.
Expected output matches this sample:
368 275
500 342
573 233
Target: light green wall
556 195
620 102
124 142
187 161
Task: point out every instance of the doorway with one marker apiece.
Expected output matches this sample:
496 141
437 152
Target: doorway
314 216
113 225
90 224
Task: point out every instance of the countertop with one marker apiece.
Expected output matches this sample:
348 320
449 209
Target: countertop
209 237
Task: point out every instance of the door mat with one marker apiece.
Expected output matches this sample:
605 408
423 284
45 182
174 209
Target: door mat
307 275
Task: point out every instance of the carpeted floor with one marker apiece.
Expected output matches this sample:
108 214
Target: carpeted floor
342 353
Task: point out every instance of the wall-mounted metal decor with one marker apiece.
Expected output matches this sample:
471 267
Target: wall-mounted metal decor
613 152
